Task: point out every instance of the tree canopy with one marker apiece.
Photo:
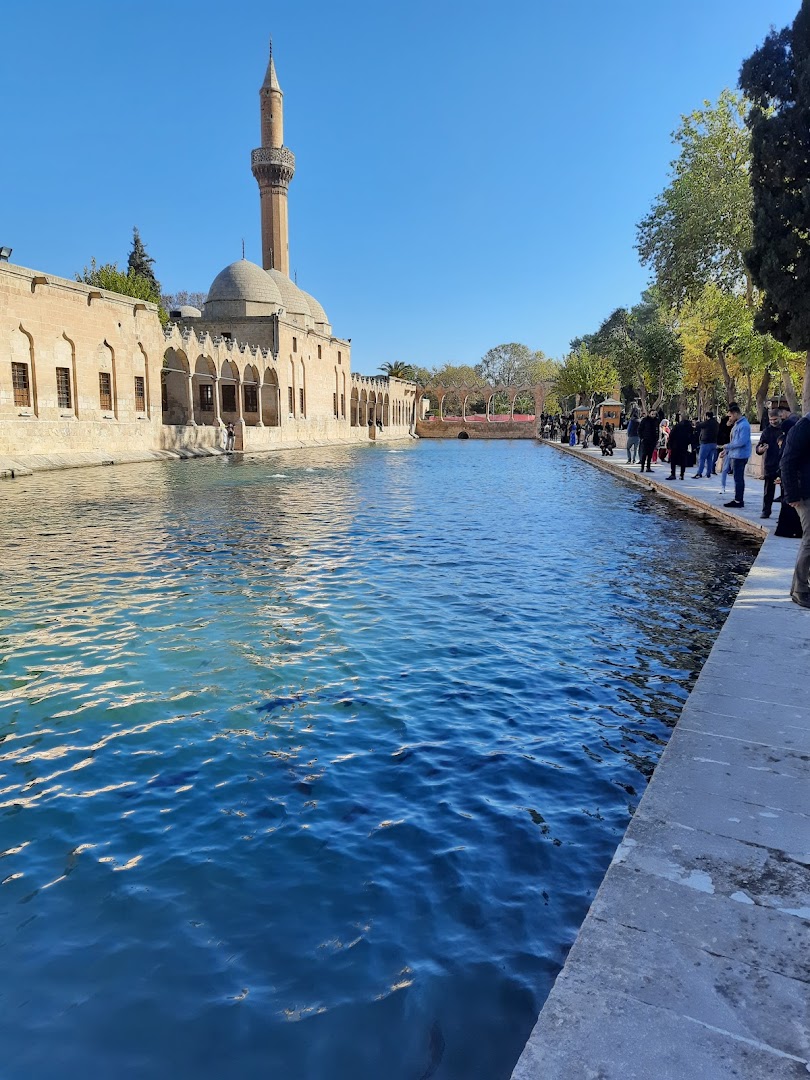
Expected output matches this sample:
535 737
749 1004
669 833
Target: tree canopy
140 263
397 369
584 375
109 276
776 78
643 347
183 299
700 225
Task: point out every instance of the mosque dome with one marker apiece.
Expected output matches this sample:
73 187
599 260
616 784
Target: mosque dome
244 281
293 299
318 314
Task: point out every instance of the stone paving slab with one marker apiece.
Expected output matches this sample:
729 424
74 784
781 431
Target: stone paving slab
694 959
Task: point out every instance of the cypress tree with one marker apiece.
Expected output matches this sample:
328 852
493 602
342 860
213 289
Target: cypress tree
776 79
140 263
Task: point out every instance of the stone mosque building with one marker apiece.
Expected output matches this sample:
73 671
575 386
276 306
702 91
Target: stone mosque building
92 376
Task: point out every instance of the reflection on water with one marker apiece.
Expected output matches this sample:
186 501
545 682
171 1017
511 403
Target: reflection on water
310 765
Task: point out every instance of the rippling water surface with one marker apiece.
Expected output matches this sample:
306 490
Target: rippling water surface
311 765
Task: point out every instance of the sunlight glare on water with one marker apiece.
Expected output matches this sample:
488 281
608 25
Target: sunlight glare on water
311 764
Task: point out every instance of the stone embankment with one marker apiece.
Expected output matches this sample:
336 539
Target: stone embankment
694 959
26 464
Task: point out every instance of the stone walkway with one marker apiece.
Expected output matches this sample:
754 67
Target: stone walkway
693 962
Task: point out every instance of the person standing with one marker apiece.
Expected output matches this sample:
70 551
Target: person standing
707 434
680 440
648 437
795 467
738 452
633 439
770 445
723 436
230 436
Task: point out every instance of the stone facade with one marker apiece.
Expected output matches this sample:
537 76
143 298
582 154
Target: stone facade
88 372
79 368
84 371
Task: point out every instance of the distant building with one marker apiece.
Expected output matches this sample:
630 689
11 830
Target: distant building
84 371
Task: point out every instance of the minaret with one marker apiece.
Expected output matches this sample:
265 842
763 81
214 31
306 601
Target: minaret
273 166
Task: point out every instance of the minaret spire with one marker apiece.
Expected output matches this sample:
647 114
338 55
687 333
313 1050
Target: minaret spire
273 166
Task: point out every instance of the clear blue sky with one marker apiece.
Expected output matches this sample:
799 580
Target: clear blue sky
468 173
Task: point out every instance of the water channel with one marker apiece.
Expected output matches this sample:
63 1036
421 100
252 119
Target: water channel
311 764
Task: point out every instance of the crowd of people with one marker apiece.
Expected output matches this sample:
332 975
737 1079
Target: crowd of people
715 443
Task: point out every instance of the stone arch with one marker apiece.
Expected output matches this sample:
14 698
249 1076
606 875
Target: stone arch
386 411
141 371
250 396
271 400
343 395
363 413
229 391
175 388
451 406
354 408
23 371
371 417
64 363
107 385
475 403
206 406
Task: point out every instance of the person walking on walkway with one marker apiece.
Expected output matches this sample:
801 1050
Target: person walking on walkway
707 434
632 437
648 436
738 452
678 444
795 466
770 445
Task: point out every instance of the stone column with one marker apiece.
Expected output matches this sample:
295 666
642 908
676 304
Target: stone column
191 419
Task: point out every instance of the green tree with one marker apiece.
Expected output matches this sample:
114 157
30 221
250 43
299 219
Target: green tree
700 225
108 276
508 365
776 78
643 346
585 375
140 263
397 369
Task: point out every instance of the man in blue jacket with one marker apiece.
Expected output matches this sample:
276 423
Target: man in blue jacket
738 451
795 466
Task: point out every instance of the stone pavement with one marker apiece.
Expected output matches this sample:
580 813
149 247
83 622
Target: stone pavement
693 962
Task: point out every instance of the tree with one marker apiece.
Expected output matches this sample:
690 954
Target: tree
397 369
585 375
776 78
700 225
508 365
183 299
140 264
108 276
643 346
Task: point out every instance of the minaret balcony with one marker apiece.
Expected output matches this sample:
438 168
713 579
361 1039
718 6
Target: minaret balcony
275 164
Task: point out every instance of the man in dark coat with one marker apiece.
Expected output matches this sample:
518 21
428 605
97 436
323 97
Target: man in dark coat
707 434
679 444
795 466
648 435
770 445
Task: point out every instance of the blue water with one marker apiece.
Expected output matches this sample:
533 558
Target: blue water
311 765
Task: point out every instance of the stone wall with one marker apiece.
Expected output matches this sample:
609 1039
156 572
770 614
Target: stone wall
70 356
494 429
85 371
